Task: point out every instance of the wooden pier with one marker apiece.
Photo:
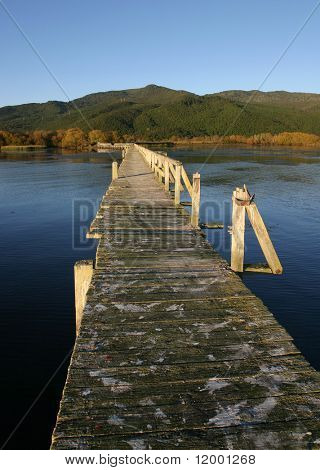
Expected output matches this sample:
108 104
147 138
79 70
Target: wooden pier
173 351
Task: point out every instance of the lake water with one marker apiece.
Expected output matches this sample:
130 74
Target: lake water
39 243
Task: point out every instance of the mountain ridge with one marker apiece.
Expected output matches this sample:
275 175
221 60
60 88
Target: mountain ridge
157 112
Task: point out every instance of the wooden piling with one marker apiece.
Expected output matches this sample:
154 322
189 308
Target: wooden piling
83 271
237 240
114 171
242 203
160 172
195 200
166 176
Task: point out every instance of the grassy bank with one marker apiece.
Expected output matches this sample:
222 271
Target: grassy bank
286 139
11 148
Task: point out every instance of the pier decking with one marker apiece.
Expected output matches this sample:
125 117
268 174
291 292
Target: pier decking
174 352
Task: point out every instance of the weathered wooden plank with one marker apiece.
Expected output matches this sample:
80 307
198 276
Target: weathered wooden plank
217 414
294 435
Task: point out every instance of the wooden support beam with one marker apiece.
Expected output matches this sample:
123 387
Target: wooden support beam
171 176
114 170
263 238
258 268
177 184
213 225
83 271
237 240
195 200
160 173
171 173
186 181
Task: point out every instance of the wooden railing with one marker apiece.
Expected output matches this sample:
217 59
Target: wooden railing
169 171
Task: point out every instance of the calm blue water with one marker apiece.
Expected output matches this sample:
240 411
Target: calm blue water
39 244
38 249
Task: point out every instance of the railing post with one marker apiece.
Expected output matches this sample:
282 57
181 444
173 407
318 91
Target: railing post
114 171
177 184
160 170
166 176
195 200
155 165
238 227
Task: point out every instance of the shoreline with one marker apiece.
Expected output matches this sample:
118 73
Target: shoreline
162 144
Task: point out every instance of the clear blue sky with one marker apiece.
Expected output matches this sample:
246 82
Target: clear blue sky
202 46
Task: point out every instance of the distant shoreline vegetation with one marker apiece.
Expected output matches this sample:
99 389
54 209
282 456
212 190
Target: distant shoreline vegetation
77 139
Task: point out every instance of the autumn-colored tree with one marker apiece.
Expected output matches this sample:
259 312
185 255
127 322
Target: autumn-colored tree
17 139
96 136
58 137
129 138
74 138
296 138
116 137
40 137
2 140
6 138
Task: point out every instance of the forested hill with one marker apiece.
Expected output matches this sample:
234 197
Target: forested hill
155 112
